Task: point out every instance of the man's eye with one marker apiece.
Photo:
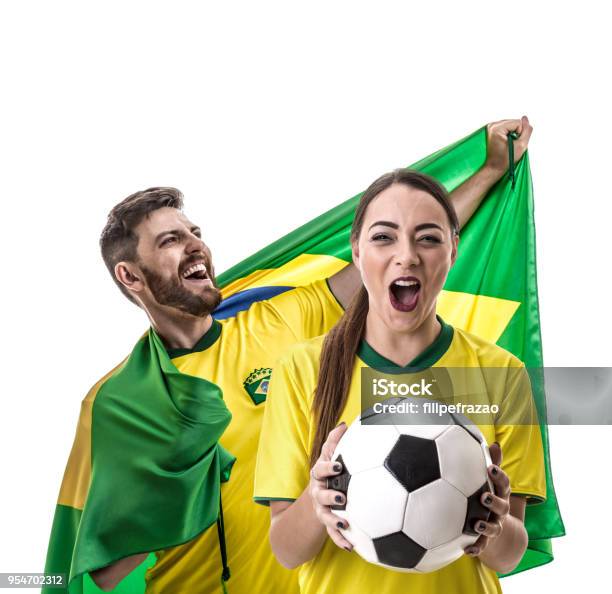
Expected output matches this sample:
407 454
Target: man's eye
168 240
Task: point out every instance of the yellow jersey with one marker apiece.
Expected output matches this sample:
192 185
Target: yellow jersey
238 355
287 436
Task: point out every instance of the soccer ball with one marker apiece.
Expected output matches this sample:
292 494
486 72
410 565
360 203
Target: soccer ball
412 490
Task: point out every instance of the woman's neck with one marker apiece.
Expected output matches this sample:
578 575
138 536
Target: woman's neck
401 347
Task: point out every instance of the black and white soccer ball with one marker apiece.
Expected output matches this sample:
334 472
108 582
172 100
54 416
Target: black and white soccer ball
412 490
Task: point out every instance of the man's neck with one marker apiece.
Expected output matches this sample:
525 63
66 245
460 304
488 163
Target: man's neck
177 330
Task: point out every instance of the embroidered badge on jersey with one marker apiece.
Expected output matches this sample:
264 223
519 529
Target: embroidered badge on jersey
257 384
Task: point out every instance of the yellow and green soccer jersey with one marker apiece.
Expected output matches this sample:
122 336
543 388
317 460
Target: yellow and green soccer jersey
287 436
238 354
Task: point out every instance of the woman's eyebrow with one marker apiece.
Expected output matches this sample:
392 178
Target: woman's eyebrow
428 226
396 226
384 224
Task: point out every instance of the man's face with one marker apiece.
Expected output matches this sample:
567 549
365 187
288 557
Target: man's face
176 264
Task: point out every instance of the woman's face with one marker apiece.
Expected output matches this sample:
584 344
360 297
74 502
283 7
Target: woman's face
404 252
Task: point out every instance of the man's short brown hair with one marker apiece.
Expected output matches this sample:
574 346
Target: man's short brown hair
118 240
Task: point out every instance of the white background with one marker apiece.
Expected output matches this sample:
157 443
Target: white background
266 114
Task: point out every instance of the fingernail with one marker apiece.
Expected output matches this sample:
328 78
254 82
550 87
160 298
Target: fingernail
470 551
340 424
488 500
481 526
348 549
338 498
339 525
337 467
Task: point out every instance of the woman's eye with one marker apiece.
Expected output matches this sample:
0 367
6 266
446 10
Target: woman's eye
380 237
430 239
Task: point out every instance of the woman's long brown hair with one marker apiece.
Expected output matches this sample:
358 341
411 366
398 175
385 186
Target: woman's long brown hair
341 343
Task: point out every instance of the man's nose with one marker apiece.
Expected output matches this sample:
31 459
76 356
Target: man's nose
195 244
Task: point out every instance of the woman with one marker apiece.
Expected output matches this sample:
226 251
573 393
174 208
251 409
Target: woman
404 241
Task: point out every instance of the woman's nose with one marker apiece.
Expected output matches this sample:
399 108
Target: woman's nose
407 254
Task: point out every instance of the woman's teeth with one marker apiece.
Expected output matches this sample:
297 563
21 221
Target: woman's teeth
404 294
405 283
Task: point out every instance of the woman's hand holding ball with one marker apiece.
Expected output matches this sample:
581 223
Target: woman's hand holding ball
322 497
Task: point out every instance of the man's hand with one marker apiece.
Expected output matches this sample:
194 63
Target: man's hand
497 143
467 197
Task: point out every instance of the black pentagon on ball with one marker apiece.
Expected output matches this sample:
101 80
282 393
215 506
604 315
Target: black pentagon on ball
413 461
475 510
398 550
340 482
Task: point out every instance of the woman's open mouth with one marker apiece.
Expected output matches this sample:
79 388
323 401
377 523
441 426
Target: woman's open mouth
404 293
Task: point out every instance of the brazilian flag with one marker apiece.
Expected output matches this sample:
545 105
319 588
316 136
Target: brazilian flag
491 291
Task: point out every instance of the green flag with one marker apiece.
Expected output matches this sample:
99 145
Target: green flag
145 470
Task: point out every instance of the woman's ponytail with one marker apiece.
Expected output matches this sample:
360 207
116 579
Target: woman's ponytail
336 369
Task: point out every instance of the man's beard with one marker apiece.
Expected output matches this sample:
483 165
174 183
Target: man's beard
171 293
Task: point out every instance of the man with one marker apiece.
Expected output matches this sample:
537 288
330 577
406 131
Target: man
159 260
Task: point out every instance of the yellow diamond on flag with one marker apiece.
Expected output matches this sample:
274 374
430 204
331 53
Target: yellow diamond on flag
486 317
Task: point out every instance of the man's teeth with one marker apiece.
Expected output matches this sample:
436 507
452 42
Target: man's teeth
405 283
194 268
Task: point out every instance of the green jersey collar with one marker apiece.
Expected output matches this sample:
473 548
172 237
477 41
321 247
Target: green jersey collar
426 359
210 337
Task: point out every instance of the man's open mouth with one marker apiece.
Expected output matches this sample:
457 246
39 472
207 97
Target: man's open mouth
197 273
404 293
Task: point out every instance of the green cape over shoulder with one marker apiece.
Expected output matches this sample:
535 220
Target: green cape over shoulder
156 466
